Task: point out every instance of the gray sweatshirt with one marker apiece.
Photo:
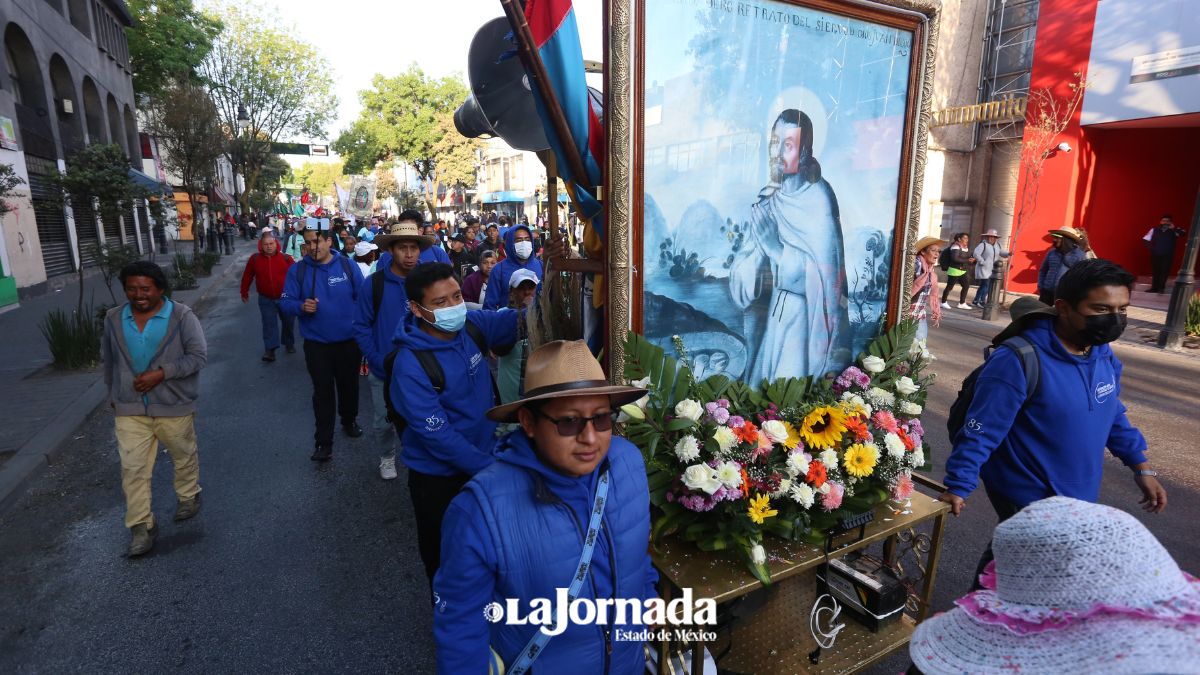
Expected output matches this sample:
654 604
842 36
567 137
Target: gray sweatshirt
181 355
986 257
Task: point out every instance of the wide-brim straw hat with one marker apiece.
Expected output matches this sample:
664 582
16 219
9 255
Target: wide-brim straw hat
991 233
1069 232
1024 310
403 231
925 242
1075 588
564 368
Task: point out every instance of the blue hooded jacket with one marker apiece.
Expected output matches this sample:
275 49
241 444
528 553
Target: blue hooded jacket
516 531
497 289
374 334
448 434
1054 444
334 286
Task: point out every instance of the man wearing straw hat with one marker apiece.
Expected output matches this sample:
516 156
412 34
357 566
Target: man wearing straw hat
1066 251
382 304
988 255
564 496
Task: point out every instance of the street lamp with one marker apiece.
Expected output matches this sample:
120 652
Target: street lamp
243 119
243 123
1174 330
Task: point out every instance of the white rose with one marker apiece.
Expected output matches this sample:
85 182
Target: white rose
895 446
916 458
757 554
701 477
775 431
784 486
910 408
881 397
689 409
803 494
873 364
917 347
687 449
725 438
797 464
829 458
730 474
906 386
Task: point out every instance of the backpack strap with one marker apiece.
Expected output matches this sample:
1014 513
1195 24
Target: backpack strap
349 276
480 340
433 369
1029 362
377 291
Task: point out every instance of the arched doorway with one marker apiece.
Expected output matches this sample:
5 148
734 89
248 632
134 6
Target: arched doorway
131 140
115 135
66 106
93 111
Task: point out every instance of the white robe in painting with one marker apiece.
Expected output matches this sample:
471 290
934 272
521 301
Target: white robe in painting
797 236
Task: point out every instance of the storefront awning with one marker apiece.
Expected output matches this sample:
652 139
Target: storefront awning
146 182
502 197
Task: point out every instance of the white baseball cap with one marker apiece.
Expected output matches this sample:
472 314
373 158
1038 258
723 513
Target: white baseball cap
522 275
364 247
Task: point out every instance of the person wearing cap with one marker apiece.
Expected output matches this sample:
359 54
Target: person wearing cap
923 304
447 439
475 285
988 255
1065 251
1075 588
491 241
520 529
268 269
461 258
322 290
522 287
1161 241
518 247
1025 447
375 329
364 256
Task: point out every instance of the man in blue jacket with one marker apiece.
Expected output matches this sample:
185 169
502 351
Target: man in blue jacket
375 328
322 289
1053 444
447 439
518 247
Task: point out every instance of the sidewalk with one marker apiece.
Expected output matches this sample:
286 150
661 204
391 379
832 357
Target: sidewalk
43 405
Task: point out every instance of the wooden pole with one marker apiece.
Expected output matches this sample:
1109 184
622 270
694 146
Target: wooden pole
537 73
552 194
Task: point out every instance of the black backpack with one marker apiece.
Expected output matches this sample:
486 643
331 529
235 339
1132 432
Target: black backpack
1029 360
433 370
946 259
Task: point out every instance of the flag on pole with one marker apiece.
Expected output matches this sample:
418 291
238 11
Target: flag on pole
556 36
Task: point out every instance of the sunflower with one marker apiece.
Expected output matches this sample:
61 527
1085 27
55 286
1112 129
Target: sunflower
860 459
823 427
760 509
793 436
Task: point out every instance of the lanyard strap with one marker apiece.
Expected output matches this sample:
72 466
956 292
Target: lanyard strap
538 642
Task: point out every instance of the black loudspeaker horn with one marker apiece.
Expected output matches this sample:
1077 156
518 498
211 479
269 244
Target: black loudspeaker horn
501 103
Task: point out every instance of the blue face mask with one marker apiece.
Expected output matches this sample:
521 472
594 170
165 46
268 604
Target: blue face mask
448 319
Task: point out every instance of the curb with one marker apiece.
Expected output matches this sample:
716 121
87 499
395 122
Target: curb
39 453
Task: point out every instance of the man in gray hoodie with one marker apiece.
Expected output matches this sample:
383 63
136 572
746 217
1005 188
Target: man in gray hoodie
153 350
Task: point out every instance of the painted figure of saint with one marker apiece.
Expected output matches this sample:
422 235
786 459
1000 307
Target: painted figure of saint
794 254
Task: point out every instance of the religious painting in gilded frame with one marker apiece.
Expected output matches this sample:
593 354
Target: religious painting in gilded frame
772 188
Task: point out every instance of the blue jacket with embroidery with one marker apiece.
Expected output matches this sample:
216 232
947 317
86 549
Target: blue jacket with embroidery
497 288
1054 444
374 333
334 285
517 531
448 434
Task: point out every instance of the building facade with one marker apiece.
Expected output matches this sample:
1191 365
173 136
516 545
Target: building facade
66 84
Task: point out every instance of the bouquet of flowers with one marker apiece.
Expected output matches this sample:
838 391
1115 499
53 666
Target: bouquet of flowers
728 463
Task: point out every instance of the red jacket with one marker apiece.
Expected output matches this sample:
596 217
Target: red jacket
267 271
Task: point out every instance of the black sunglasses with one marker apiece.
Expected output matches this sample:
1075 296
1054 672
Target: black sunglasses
573 426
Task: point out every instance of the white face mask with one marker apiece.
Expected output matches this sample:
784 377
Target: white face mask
524 249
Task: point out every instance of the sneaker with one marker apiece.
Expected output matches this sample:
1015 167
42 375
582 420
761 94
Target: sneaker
268 355
387 468
352 429
187 508
963 305
323 453
141 539
291 349
945 305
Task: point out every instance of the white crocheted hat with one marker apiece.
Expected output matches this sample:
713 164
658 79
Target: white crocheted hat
1075 587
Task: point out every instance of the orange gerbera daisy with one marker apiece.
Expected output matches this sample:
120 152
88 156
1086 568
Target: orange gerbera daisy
747 433
908 442
856 426
816 473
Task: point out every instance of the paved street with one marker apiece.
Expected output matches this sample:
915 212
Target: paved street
292 567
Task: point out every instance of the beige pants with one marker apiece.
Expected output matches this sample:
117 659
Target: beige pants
138 437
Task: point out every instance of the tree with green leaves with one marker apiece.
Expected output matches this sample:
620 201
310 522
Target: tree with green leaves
188 129
274 172
411 117
386 186
319 177
282 84
9 180
167 42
